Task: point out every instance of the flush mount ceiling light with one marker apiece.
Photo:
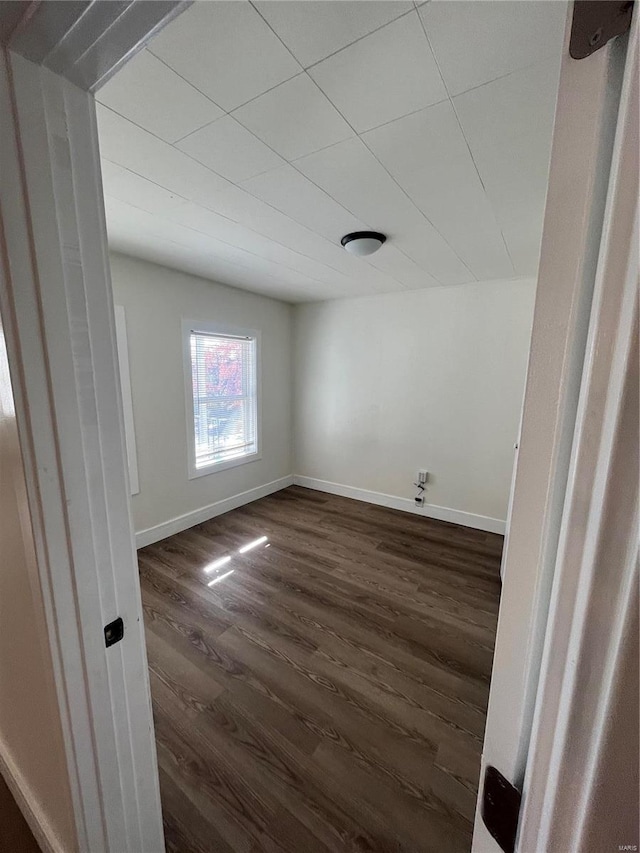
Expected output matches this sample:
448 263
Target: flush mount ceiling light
363 242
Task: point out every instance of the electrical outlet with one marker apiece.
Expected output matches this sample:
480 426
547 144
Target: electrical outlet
422 476
419 501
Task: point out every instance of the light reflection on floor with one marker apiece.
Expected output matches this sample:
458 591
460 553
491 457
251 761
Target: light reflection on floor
223 561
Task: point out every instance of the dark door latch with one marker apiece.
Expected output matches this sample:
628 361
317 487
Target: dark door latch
113 632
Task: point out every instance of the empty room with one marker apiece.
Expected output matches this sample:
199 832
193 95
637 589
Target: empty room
324 222
319 426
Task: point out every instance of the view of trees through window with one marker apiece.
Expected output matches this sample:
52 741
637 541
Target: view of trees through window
224 397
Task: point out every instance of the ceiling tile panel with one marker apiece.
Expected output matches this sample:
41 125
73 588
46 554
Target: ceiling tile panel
386 75
270 222
259 274
353 176
228 148
427 154
226 50
294 119
137 191
313 29
249 242
508 124
405 271
130 146
475 42
150 94
212 193
293 194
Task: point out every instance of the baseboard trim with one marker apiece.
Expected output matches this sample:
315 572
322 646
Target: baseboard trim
189 519
441 513
21 792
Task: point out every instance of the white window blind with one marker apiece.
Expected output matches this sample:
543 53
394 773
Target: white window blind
224 388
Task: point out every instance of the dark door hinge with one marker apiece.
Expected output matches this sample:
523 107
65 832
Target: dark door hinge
595 22
501 808
113 632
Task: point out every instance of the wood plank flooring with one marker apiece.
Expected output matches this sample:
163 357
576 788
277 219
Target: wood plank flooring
327 689
15 835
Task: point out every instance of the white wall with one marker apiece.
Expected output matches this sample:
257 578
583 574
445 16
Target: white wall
431 378
155 300
32 754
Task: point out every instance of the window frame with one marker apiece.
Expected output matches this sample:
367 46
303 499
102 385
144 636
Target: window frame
213 328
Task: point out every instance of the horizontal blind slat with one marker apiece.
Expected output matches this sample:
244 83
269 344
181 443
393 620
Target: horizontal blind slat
224 396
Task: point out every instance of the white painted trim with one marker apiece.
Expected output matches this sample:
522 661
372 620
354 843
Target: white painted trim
57 314
127 398
56 301
441 513
595 592
212 328
89 43
579 172
189 519
28 804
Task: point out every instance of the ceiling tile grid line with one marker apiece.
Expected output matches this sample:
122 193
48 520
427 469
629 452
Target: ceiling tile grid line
382 164
226 50
370 224
148 48
152 232
181 246
315 60
265 171
250 229
421 212
466 141
291 10
231 221
499 234
355 41
235 109
401 64
240 186
191 228
226 260
367 224
417 6
205 166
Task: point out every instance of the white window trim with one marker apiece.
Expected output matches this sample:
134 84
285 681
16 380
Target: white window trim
211 328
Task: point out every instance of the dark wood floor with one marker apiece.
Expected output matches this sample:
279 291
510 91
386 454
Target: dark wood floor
329 690
15 835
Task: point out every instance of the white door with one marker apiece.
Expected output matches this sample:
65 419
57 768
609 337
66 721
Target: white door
591 122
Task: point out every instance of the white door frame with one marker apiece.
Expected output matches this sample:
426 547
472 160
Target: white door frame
561 490
594 601
56 304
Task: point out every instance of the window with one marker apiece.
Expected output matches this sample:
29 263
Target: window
221 368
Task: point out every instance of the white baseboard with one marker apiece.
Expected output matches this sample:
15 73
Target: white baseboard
189 519
31 809
441 513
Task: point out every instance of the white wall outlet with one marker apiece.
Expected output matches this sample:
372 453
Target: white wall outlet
422 476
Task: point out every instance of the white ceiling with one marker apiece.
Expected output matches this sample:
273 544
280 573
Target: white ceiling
247 138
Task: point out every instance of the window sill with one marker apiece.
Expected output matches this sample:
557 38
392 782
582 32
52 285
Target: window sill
223 466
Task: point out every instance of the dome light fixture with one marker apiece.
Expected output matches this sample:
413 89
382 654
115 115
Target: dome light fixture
362 243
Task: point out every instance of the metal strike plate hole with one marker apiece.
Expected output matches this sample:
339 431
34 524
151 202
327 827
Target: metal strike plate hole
113 632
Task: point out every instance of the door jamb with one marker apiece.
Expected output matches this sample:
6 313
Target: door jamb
595 593
57 309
